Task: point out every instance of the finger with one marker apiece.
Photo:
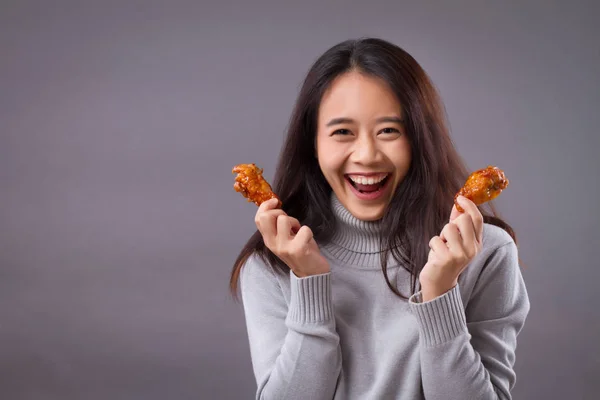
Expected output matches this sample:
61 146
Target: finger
286 226
295 225
264 208
471 209
266 222
453 239
466 227
443 236
430 255
268 205
454 213
304 235
283 235
437 245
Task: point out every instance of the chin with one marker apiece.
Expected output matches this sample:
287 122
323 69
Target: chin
367 213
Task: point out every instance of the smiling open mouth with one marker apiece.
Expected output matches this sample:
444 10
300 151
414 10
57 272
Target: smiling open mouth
368 184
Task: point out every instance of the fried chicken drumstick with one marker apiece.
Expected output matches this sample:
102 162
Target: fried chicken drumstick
252 185
482 185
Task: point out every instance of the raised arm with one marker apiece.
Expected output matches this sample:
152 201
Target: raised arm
294 347
470 353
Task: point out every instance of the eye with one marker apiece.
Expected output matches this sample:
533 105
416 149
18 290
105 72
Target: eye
342 132
390 130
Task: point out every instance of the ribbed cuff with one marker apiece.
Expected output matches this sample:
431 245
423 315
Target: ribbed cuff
310 300
441 319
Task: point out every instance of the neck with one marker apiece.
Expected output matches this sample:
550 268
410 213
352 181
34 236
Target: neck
355 241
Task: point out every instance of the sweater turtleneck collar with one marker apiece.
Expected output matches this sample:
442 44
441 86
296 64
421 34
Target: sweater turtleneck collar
354 241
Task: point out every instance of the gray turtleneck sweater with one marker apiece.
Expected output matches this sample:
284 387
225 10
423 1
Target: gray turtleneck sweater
345 335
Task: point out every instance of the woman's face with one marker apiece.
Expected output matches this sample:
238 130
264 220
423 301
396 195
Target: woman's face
362 148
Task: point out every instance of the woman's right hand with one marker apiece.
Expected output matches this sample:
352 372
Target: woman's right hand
287 239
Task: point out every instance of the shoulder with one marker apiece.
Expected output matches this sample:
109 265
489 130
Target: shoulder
256 268
496 263
495 237
262 290
493 283
258 275
498 249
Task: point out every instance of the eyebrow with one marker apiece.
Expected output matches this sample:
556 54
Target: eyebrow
339 121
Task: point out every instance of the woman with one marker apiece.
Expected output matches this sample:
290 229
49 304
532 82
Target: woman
368 283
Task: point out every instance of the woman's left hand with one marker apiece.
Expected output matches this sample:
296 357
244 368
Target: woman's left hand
451 251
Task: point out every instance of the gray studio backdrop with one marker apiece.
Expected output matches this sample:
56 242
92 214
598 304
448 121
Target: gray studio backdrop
120 122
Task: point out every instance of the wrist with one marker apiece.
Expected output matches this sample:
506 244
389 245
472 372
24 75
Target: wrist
428 295
304 274
431 292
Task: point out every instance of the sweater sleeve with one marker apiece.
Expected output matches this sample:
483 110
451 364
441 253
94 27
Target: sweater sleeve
470 353
295 349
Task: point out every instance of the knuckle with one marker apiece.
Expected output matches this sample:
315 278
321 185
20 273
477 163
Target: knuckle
432 241
262 216
448 228
309 232
303 231
469 254
465 256
475 250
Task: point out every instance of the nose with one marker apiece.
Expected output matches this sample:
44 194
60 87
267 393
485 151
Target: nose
365 150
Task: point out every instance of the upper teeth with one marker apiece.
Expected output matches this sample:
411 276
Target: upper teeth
370 180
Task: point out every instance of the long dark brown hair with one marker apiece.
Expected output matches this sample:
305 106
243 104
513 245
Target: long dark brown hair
422 203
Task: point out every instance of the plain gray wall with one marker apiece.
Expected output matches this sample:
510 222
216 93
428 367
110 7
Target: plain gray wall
120 122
